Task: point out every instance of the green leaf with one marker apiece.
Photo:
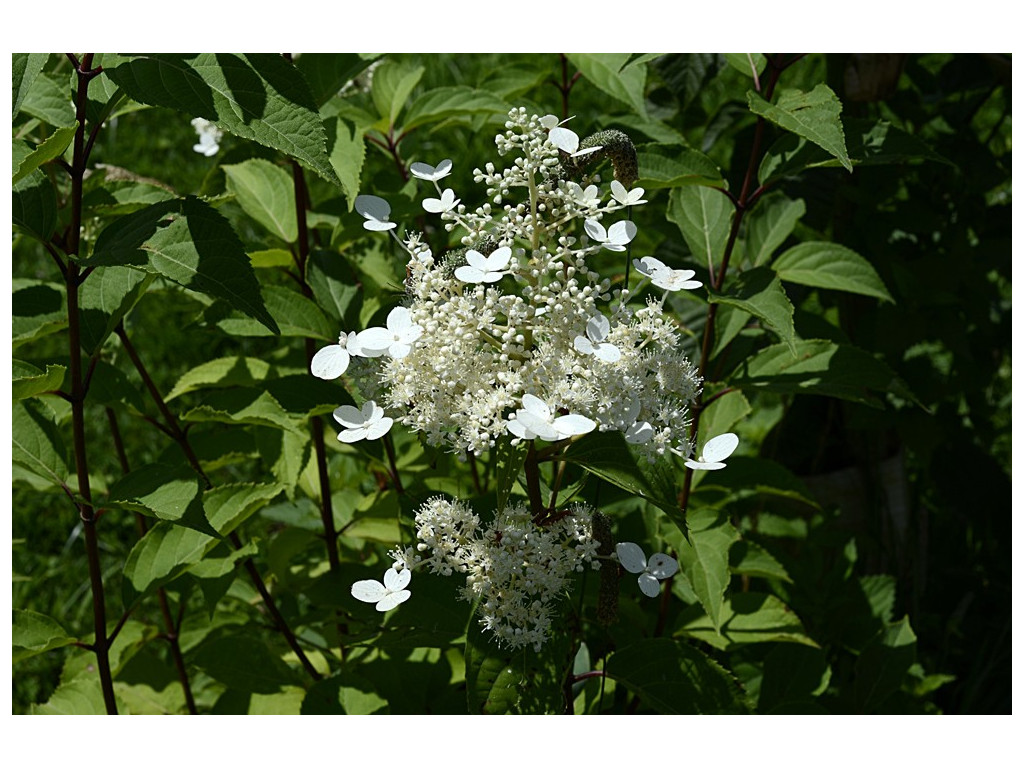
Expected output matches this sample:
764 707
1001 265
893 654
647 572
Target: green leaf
793 673
243 662
510 460
37 309
813 116
81 696
335 287
346 693
453 101
327 73
746 617
748 476
34 206
770 224
748 64
616 76
236 371
113 191
759 292
50 149
189 242
34 633
704 559
36 441
266 192
703 215
255 96
820 368
171 492
25 68
607 455
683 168
674 678
347 152
244 406
720 417
749 558
883 664
393 81
49 100
830 265
105 299
291 313
29 381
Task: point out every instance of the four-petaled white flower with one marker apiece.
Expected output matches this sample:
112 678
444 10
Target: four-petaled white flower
535 419
664 276
615 238
396 340
446 203
388 595
716 450
597 330
659 567
430 172
585 198
631 197
366 424
484 269
332 361
568 142
376 211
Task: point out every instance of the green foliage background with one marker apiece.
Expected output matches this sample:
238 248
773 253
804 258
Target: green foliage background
855 558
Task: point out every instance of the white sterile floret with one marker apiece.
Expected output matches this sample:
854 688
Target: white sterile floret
659 568
615 237
716 450
664 276
535 419
209 137
387 595
430 172
568 142
376 211
396 340
366 424
597 331
623 197
332 361
447 202
584 198
484 269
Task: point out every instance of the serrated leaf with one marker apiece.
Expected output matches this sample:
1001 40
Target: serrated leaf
50 149
266 192
674 678
703 216
37 309
820 368
243 405
29 381
25 68
105 299
704 559
747 617
771 222
749 64
327 73
254 96
113 191
34 206
614 74
166 491
830 265
453 101
223 372
81 696
335 287
813 116
49 100
292 314
685 167
36 441
34 633
393 81
347 152
749 558
685 74
759 292
187 241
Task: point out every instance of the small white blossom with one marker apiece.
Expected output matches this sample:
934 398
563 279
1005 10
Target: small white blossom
209 137
623 197
615 238
716 450
396 340
376 211
585 198
659 567
568 142
366 424
332 361
535 419
665 277
447 202
639 433
431 173
484 269
388 595
597 331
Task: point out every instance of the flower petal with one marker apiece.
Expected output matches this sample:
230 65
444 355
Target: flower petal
608 353
574 424
393 600
349 416
661 566
631 556
648 585
395 580
379 428
564 139
369 591
330 362
718 448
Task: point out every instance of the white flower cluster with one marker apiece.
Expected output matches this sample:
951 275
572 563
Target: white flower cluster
516 569
519 317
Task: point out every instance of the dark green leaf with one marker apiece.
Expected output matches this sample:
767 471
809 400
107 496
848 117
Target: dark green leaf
346 693
243 406
36 441
50 149
746 617
759 292
793 673
830 265
242 661
34 206
684 167
703 215
37 309
510 460
254 96
223 372
883 664
813 116
327 73
166 491
614 74
335 288
29 381
25 68
750 64
452 101
105 299
49 101
771 222
751 559
291 313
392 83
